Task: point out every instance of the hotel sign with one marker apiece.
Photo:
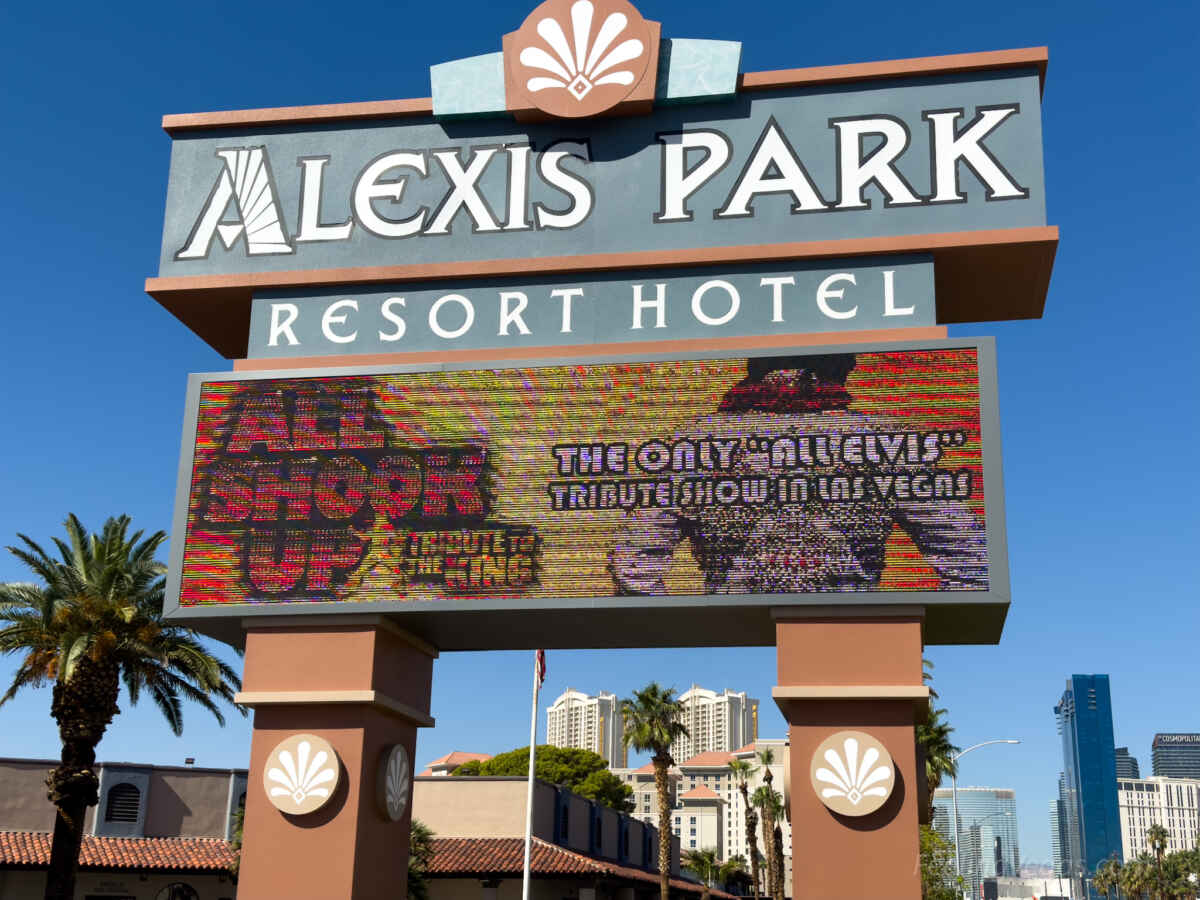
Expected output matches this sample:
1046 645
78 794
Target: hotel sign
552 341
571 153
689 304
1161 739
782 166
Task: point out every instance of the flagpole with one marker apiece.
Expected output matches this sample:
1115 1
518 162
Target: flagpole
537 683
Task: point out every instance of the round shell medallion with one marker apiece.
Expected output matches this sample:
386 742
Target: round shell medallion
393 783
852 773
577 58
301 774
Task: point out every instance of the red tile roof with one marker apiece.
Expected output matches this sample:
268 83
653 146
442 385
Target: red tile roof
647 769
453 857
476 857
32 849
700 793
712 759
455 759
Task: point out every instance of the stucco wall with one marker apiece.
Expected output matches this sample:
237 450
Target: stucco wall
23 803
579 811
179 802
187 804
118 886
483 807
539 889
610 823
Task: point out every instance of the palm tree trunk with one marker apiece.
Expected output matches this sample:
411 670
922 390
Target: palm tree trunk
661 784
83 706
768 823
64 847
751 839
768 839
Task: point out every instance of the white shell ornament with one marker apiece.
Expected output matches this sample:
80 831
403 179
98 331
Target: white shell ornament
393 783
586 60
852 773
301 774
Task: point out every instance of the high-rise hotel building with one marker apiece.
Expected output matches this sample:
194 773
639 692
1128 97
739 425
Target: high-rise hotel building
1127 764
1091 819
580 720
716 723
1173 803
1176 755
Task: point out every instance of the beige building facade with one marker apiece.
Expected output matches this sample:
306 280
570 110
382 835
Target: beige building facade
699 821
645 794
580 850
711 770
588 722
716 723
494 807
719 823
445 765
1173 803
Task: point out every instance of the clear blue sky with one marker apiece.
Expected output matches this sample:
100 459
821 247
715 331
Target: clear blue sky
1099 398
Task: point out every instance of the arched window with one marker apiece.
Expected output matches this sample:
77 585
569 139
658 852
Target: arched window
123 802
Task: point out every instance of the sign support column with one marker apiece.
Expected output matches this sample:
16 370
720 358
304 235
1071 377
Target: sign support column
858 674
362 686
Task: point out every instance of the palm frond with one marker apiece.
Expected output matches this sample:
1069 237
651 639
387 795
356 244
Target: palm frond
170 706
101 598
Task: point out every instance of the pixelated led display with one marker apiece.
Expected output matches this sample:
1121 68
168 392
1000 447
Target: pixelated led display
789 474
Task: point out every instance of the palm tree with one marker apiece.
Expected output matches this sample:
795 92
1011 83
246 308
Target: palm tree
652 724
764 800
1108 876
927 676
933 737
420 858
1157 837
733 870
1182 867
768 803
235 842
1136 877
777 847
704 863
95 621
742 771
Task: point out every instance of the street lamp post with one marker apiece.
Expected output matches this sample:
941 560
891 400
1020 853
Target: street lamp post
954 792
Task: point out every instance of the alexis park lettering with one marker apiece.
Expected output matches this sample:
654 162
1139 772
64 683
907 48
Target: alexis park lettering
869 160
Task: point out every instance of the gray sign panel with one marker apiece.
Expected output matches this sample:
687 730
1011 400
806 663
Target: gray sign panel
487 314
925 156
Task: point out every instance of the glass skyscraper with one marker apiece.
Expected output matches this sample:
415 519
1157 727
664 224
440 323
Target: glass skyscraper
987 835
1176 755
1058 832
1127 764
1091 817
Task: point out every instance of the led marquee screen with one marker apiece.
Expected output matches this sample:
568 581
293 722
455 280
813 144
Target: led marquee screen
820 473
